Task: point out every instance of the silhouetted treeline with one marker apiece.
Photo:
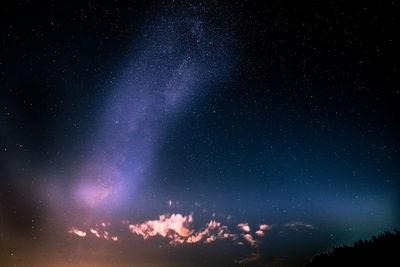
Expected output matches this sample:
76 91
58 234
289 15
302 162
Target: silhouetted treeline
383 250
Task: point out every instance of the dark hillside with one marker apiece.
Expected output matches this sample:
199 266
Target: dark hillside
379 251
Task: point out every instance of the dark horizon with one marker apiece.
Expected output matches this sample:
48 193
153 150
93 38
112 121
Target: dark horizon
192 133
380 250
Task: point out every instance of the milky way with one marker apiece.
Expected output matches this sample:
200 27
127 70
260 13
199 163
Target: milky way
178 57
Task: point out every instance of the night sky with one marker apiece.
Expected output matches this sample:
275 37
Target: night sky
203 133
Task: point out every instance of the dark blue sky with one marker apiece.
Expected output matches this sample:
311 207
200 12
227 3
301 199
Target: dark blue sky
192 134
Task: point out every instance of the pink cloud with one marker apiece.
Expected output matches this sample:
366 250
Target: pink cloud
106 235
175 223
263 228
196 237
178 229
76 231
260 233
249 238
104 224
244 227
211 239
95 232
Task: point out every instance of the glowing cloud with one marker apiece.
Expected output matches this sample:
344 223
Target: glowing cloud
176 223
244 227
262 229
260 233
95 231
178 229
76 231
249 238
199 236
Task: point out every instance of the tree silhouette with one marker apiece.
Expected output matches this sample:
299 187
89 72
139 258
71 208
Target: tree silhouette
383 250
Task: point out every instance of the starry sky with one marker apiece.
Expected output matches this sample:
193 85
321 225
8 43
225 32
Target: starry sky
193 133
